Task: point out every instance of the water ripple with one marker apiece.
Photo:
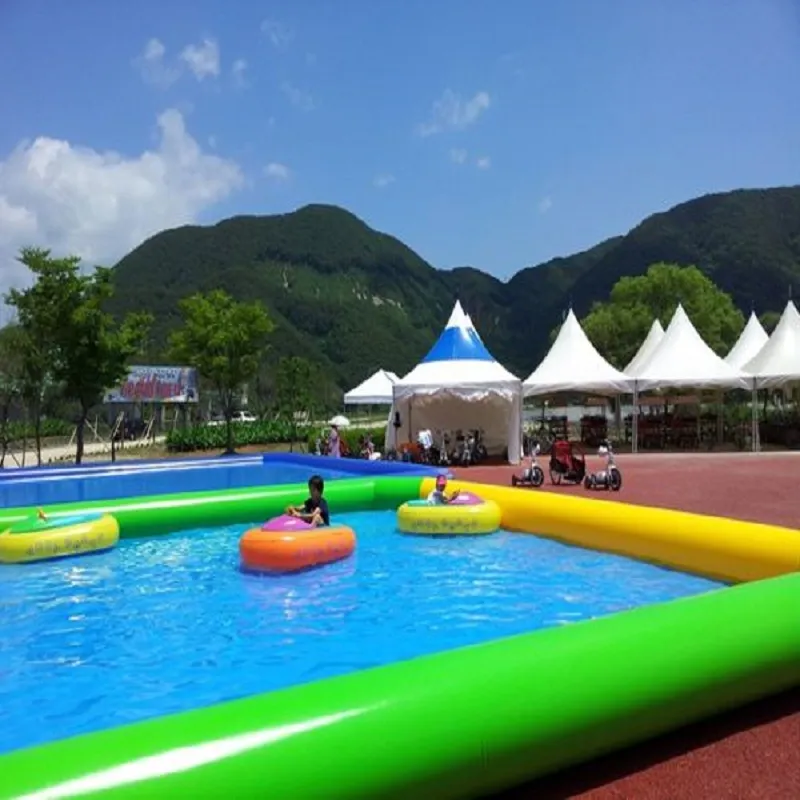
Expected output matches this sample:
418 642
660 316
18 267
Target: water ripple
171 623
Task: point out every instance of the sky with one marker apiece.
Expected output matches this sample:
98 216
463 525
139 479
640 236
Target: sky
493 134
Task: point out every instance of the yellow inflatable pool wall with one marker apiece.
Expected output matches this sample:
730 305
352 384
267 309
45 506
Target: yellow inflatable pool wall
716 547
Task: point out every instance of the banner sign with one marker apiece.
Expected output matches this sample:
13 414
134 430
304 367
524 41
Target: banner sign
157 385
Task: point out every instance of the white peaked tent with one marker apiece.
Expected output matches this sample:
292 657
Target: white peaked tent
750 341
573 365
683 360
375 390
651 341
460 385
778 361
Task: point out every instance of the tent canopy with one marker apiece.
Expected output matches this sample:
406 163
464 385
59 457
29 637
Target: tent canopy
574 365
459 360
460 385
683 360
375 390
750 341
778 361
651 341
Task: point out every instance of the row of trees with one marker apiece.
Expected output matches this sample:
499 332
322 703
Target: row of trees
64 343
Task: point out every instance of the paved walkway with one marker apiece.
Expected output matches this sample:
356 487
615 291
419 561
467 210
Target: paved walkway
66 452
747 754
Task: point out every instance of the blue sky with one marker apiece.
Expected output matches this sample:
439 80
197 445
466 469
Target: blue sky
557 125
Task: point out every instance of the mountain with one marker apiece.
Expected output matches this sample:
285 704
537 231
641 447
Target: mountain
352 299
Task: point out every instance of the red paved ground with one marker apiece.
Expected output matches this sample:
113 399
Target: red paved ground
749 753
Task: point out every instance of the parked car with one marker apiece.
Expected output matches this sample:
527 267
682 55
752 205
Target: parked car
238 417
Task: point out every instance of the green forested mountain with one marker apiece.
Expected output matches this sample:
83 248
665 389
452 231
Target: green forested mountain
352 299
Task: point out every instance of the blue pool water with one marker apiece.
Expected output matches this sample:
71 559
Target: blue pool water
201 476
168 624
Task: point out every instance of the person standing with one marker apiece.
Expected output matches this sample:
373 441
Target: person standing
334 443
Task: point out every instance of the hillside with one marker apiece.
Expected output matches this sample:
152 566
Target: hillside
352 299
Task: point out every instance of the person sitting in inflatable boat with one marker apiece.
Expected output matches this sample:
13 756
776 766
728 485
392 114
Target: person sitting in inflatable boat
438 497
315 510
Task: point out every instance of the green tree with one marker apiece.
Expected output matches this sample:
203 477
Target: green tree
71 339
618 326
769 319
225 340
11 367
294 383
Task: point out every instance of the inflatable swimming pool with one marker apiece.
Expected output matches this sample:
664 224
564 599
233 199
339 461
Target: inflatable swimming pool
39 537
466 515
288 544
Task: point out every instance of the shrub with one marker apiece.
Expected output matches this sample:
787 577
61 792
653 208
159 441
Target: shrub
50 428
212 437
351 437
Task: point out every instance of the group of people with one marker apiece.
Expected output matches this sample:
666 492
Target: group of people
315 509
335 449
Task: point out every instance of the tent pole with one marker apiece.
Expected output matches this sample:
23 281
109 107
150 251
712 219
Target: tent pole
754 431
635 419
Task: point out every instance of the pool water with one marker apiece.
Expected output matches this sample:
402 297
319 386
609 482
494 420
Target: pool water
162 479
167 624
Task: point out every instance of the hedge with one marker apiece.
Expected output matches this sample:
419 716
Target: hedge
50 428
350 437
212 437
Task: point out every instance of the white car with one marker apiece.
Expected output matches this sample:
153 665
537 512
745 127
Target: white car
238 417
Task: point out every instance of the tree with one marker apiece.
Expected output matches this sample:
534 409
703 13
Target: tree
618 326
70 338
293 391
225 340
769 319
10 381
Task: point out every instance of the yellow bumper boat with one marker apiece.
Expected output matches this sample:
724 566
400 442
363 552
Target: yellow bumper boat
39 538
466 515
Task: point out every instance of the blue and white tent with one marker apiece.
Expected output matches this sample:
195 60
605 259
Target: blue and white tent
460 385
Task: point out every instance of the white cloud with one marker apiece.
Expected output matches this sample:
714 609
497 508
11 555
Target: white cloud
544 205
382 181
99 205
449 112
202 59
458 155
484 162
278 172
238 71
297 97
152 65
279 35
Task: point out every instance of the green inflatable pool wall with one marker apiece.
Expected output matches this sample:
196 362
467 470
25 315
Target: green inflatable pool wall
457 724
168 513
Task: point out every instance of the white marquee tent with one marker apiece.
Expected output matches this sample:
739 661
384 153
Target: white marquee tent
651 341
375 390
460 385
683 360
778 361
751 340
573 365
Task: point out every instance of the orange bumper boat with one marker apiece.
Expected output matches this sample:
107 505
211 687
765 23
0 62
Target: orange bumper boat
288 544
